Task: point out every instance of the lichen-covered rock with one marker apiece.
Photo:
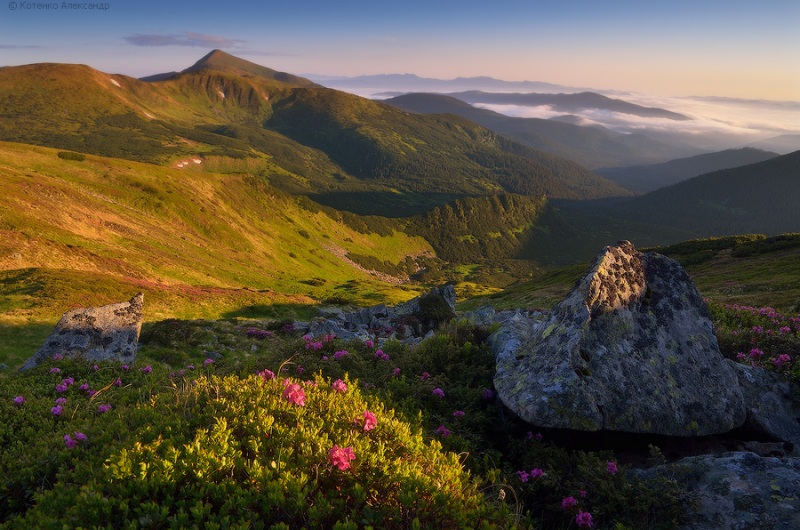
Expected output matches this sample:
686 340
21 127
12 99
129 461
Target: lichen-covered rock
631 348
738 490
107 333
410 321
770 407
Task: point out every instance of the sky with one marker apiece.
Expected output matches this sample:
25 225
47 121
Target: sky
730 48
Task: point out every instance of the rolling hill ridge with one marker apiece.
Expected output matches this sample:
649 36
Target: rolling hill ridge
301 137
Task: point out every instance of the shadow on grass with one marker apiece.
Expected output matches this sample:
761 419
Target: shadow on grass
273 312
20 341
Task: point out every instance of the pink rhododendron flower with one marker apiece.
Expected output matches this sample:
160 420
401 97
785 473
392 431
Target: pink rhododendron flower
339 354
61 401
380 355
57 357
79 436
68 381
147 369
339 386
396 372
125 367
208 361
781 360
19 400
340 457
266 375
523 476
438 392
458 413
61 387
70 442
95 367
584 519
369 420
568 502
536 473
368 343
612 467
424 376
102 409
118 382
294 393
84 387
55 370
57 410
582 494
443 431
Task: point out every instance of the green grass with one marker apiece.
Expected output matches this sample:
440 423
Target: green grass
751 272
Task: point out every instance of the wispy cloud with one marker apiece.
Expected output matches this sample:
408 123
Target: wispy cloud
195 40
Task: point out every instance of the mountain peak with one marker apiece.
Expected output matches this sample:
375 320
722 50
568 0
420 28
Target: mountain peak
220 61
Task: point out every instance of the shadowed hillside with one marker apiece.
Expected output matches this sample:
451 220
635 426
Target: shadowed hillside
641 179
760 197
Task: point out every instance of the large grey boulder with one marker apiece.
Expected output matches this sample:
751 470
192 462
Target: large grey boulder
738 490
631 348
107 333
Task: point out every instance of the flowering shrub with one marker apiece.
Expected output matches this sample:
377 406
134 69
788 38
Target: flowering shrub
758 336
237 452
253 448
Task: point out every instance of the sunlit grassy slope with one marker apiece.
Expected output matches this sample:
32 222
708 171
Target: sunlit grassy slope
748 270
197 243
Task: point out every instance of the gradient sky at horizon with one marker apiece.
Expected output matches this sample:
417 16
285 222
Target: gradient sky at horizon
730 48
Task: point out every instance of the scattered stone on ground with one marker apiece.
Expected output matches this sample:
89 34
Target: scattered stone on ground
107 333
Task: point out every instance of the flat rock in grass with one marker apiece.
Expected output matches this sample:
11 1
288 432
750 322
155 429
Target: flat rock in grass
736 490
107 333
630 349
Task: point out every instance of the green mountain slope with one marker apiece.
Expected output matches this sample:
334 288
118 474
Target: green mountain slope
167 231
303 138
642 179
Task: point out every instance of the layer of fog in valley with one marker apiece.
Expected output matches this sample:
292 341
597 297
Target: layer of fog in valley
716 123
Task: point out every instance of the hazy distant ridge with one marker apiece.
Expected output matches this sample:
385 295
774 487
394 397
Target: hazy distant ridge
592 147
642 179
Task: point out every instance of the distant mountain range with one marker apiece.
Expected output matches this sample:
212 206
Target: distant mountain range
414 83
642 179
568 103
594 147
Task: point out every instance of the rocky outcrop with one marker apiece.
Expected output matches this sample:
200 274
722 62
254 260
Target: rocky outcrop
736 490
408 322
630 349
769 404
107 333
